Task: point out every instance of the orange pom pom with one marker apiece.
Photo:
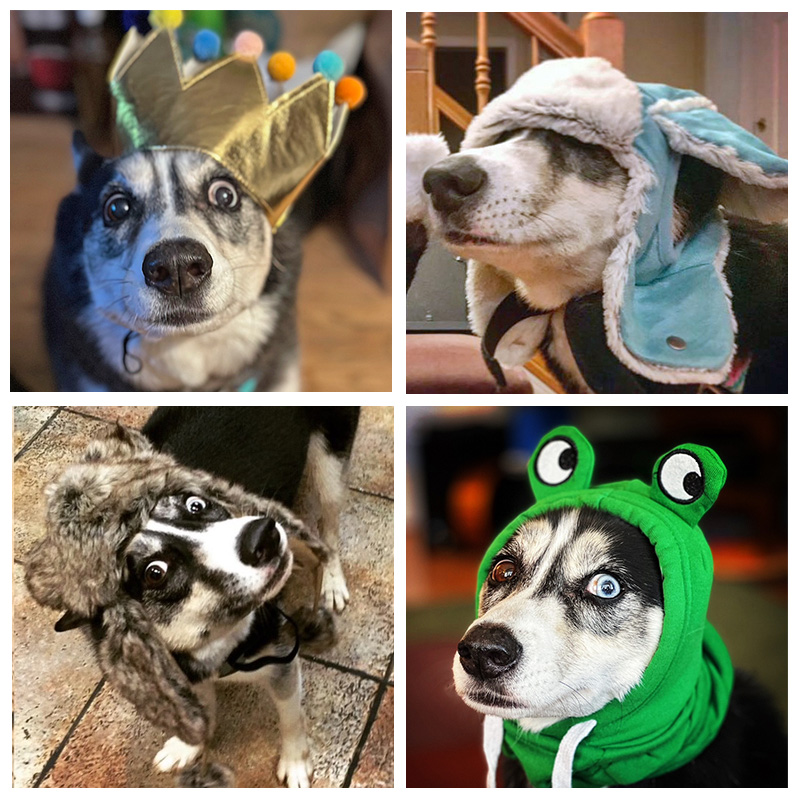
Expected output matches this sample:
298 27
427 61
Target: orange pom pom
280 66
352 91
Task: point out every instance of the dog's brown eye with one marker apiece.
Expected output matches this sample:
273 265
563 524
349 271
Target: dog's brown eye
116 208
504 571
223 194
155 574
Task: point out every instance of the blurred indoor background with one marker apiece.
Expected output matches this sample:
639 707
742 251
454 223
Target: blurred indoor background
466 479
59 61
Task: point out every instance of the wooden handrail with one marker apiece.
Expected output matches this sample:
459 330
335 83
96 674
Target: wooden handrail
451 108
550 31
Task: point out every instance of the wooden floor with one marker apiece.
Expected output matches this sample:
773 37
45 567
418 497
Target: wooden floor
344 317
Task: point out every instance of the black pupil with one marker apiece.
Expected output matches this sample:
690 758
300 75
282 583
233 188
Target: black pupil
504 572
119 208
568 459
607 587
155 573
224 196
693 484
196 506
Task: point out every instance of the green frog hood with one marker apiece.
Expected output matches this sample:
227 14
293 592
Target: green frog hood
676 710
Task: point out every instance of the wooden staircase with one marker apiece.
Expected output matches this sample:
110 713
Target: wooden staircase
600 34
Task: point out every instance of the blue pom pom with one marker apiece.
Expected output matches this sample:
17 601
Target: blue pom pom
329 64
206 45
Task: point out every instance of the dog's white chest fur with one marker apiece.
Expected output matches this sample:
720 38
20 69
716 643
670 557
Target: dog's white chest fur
187 361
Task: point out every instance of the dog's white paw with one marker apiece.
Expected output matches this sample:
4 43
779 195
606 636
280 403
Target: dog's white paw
295 771
334 588
176 754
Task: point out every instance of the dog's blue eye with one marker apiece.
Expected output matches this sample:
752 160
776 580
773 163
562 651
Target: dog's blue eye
195 505
605 586
116 208
223 194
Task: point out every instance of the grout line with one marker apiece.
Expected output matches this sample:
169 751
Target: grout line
343 668
24 449
371 494
373 715
51 762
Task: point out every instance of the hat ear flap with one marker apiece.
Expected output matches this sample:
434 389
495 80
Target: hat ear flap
137 663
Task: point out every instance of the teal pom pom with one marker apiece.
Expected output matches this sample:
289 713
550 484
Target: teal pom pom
329 64
206 45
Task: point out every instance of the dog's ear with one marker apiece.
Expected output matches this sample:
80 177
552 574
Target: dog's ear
85 159
118 442
137 663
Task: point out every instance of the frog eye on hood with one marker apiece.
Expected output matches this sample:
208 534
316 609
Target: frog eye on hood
564 460
680 476
556 461
688 480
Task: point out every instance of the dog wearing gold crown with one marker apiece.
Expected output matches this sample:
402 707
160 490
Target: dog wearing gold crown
173 269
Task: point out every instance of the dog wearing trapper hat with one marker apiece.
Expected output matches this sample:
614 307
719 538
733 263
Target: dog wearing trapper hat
628 230
591 655
173 268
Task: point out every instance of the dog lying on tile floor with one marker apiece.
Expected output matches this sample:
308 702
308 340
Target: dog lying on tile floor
181 577
589 209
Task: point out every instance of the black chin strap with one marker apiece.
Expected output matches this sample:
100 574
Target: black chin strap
511 310
232 666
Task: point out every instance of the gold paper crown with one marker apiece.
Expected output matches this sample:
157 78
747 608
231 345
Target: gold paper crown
273 149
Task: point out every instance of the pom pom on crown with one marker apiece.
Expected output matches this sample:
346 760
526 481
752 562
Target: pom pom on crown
248 43
281 66
206 45
165 19
329 64
352 91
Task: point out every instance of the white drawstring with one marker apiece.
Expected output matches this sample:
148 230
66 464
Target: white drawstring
492 743
562 768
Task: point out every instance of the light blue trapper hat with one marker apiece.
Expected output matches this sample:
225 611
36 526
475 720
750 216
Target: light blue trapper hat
667 307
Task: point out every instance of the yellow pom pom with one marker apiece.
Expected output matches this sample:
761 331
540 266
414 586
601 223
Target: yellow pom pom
281 66
165 19
352 91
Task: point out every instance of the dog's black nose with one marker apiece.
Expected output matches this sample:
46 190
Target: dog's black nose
259 542
488 651
449 184
177 266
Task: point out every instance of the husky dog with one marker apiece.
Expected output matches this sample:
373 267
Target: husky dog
569 619
560 225
166 276
183 578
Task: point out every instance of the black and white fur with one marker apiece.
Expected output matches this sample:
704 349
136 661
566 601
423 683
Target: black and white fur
294 455
570 616
542 208
165 243
179 551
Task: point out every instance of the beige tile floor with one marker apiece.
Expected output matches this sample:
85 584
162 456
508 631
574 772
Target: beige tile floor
70 730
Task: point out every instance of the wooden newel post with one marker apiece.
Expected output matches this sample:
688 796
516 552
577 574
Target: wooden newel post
603 35
428 39
482 81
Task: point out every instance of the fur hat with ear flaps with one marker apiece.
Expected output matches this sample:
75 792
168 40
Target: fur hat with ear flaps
666 306
93 511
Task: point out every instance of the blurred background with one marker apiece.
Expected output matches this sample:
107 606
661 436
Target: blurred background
59 61
466 479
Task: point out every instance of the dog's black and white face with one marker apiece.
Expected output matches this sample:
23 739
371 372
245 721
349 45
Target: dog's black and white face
532 196
172 242
199 572
570 616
